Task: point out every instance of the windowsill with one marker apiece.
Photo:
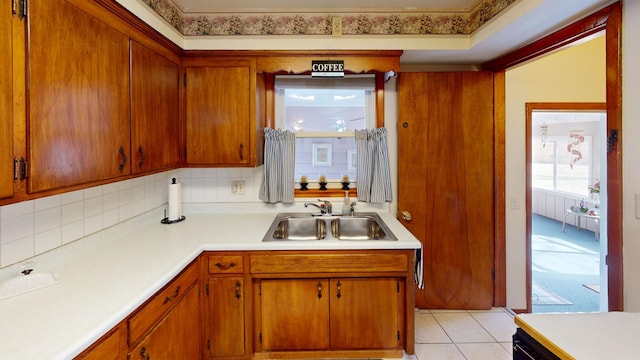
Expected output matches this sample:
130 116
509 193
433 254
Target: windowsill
317 193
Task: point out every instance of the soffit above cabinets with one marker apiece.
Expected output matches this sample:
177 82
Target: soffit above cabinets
239 6
451 32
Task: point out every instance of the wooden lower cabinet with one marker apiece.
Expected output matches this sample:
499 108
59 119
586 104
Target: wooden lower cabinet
226 305
330 314
112 346
177 336
274 305
364 313
295 314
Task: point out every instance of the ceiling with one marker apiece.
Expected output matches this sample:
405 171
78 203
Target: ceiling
520 23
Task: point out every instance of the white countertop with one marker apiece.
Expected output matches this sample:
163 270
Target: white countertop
105 276
586 336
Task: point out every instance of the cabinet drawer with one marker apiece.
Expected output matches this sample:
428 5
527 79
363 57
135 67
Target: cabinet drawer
160 303
226 264
333 262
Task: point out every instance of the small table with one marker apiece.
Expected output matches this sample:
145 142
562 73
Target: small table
589 214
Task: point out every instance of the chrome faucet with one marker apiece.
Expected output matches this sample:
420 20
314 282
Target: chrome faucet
325 207
352 211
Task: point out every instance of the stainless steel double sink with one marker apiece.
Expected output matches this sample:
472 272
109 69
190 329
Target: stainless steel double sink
305 226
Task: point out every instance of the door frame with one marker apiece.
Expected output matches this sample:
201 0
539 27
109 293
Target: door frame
610 20
530 107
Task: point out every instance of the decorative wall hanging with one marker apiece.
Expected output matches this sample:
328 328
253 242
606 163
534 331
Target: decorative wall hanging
574 147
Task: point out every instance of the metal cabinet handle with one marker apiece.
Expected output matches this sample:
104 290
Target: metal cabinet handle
225 267
124 158
241 152
142 157
339 287
171 297
319 290
238 290
144 354
406 215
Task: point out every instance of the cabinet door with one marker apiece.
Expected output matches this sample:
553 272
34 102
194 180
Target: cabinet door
155 112
112 347
446 121
78 95
364 313
6 102
226 317
177 336
295 314
219 107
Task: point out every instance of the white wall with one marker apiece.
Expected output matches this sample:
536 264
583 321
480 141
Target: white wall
576 74
631 152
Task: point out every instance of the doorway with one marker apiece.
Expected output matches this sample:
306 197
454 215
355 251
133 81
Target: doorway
567 244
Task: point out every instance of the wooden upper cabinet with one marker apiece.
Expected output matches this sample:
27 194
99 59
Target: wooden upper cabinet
78 95
221 119
6 102
155 112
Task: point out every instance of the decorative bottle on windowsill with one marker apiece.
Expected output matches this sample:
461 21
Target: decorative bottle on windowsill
322 181
345 182
303 183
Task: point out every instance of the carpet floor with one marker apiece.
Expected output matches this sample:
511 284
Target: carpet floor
565 268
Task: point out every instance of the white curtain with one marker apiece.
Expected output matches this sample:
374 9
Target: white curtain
279 166
374 175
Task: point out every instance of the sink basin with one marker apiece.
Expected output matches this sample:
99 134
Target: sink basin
360 227
297 228
304 226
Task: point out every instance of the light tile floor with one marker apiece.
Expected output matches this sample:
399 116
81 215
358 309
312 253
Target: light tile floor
463 334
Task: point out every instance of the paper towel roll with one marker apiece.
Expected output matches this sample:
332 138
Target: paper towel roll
175 201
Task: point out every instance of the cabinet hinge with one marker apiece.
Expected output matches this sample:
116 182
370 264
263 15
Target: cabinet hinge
19 8
20 169
207 289
260 338
398 287
398 335
208 344
260 290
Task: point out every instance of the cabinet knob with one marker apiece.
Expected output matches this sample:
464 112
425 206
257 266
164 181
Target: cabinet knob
319 290
406 215
339 287
238 290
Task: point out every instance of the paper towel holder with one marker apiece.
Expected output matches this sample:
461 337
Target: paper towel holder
166 219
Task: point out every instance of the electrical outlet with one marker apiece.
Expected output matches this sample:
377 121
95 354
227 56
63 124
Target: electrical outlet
237 187
336 26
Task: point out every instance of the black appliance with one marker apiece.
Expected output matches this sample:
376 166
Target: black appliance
526 347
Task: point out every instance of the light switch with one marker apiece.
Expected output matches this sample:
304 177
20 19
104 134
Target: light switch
514 203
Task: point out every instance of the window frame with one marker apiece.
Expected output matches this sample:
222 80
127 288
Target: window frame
270 99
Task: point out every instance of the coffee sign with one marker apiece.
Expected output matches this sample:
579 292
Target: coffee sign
327 68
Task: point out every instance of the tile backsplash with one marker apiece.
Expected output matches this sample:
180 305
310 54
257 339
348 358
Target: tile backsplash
30 228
